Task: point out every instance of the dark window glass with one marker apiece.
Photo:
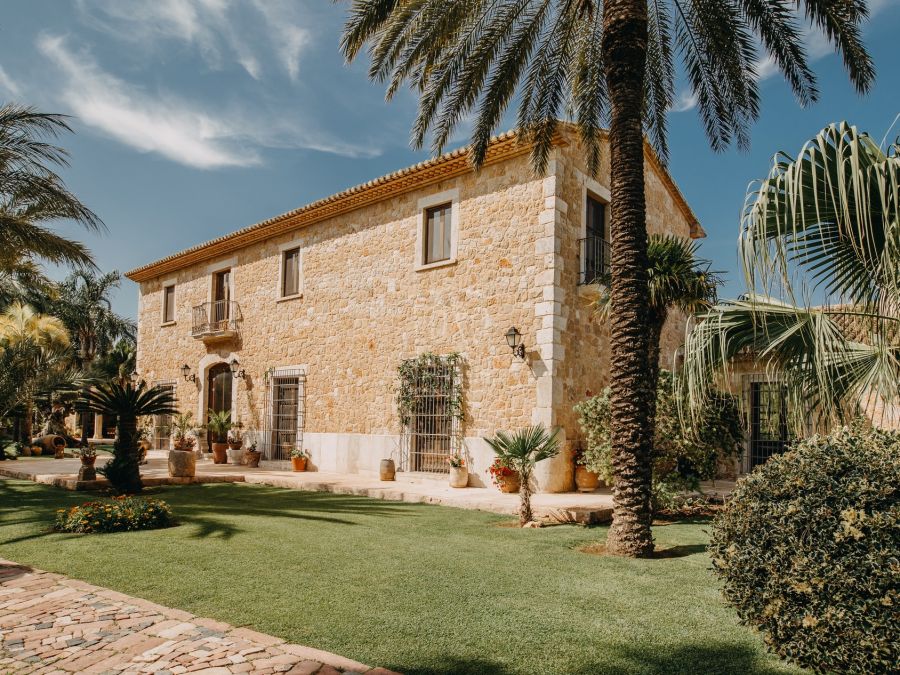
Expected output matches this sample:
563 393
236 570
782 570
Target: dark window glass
596 219
169 304
437 233
290 275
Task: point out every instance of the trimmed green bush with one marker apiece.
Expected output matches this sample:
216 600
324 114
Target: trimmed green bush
119 514
680 459
808 548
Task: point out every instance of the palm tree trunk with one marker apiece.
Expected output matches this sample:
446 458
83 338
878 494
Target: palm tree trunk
28 423
624 49
525 514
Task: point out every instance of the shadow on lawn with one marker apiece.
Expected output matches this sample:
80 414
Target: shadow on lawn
215 510
708 658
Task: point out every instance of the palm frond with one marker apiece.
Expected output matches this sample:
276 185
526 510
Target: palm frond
130 400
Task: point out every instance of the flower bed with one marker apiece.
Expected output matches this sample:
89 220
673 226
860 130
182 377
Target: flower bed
119 514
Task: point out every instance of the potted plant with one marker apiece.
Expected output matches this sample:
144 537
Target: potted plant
459 473
235 443
182 460
521 451
88 455
219 424
586 479
145 438
252 455
299 459
504 477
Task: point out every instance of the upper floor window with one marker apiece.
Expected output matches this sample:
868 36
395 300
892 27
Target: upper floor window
595 225
438 230
290 273
168 304
594 254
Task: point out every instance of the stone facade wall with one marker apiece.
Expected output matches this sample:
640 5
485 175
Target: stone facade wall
365 306
586 338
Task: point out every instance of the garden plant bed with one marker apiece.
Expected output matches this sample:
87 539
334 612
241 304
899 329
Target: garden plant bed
370 579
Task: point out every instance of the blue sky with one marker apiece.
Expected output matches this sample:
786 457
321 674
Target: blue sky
197 117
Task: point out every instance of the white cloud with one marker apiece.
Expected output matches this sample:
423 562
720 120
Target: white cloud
175 128
218 29
686 100
7 83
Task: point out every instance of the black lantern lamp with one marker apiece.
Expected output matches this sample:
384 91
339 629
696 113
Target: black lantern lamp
187 374
514 340
236 369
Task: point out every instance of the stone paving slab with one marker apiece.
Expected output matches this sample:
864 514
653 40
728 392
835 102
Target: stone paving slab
52 624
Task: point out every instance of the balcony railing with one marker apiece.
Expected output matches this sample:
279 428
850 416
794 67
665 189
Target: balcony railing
215 319
593 260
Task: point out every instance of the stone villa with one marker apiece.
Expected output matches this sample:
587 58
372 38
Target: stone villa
299 324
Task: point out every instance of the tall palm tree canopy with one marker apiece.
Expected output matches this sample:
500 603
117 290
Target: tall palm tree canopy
84 304
32 194
472 58
820 246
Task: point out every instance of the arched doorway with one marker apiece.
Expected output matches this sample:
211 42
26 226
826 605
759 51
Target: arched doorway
218 393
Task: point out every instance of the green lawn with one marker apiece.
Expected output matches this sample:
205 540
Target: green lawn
415 588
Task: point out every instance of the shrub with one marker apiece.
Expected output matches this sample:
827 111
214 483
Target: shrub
119 514
808 547
680 459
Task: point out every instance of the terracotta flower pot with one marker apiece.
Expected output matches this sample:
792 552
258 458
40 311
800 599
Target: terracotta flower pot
387 470
235 445
586 481
509 483
459 477
88 461
298 463
251 458
220 453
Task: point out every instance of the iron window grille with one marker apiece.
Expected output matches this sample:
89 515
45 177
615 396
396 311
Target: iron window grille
285 413
430 404
769 434
593 260
162 424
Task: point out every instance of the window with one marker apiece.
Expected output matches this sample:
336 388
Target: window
595 245
162 424
169 304
438 229
290 273
595 226
286 412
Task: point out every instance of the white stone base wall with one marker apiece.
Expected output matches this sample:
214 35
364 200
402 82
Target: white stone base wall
362 454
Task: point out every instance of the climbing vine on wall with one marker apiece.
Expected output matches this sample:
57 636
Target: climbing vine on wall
426 376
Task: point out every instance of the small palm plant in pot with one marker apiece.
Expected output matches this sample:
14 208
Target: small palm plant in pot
299 459
219 424
521 451
128 402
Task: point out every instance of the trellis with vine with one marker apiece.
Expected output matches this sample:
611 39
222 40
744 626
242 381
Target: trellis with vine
424 370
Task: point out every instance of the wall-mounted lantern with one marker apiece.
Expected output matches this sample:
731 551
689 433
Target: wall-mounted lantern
514 340
187 374
236 369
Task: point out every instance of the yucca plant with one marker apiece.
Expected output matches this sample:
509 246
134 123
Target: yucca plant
610 63
521 451
128 402
825 225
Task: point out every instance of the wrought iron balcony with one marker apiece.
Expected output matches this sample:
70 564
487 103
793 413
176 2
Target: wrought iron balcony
593 260
213 320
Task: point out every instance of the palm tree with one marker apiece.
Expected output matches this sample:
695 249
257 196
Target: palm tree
32 194
824 225
677 279
118 364
604 63
127 402
34 355
84 304
521 452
